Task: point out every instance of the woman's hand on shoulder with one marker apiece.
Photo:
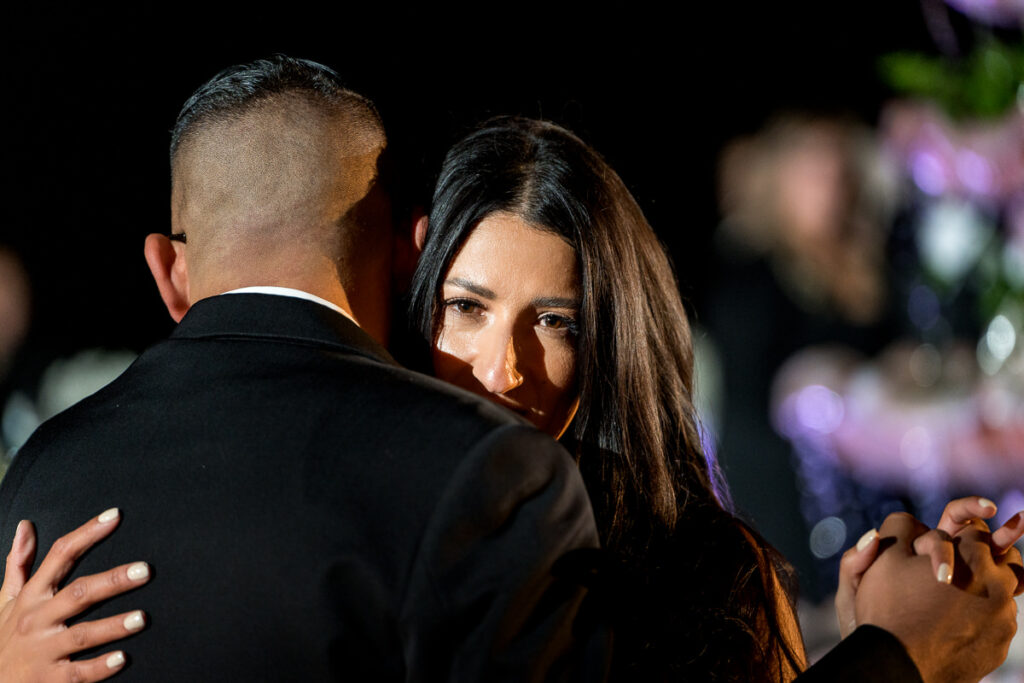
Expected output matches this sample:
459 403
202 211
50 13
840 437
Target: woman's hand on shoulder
35 643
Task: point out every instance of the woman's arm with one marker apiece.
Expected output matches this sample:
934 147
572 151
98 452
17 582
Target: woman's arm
35 643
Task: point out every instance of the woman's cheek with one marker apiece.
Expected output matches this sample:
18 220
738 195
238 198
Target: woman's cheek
451 355
561 367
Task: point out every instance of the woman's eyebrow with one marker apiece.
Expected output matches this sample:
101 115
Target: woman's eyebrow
556 302
471 286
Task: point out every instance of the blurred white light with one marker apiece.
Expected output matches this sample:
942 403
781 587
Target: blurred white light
828 537
988 363
952 236
1001 337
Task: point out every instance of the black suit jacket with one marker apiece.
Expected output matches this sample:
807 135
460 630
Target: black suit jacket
311 510
867 654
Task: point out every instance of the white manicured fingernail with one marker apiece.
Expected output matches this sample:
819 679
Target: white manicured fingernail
866 539
986 503
134 621
138 571
109 516
115 660
945 574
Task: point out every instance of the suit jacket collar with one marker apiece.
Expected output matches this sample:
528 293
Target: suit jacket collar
280 318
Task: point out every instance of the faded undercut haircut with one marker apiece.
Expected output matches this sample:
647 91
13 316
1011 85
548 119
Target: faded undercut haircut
243 87
270 153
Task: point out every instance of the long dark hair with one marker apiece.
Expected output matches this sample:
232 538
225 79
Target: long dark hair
636 436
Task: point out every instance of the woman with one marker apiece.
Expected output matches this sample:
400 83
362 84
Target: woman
542 287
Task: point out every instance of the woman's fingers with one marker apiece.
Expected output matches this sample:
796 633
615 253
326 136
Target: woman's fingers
852 566
963 511
67 549
1012 559
19 561
100 632
89 670
1009 533
938 545
33 638
86 591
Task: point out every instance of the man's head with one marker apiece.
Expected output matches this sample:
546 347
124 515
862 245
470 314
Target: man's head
274 182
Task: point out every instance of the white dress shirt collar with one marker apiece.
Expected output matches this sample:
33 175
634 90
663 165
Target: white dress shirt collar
295 293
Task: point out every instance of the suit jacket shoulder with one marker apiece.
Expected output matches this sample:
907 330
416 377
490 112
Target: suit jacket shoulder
312 511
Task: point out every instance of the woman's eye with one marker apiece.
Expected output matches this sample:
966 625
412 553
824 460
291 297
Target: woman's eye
558 322
463 306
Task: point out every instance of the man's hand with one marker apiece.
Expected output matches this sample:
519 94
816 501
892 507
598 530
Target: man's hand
35 644
959 515
953 632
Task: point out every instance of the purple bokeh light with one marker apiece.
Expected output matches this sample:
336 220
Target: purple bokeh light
975 172
1010 504
976 159
817 409
917 447
929 172
997 12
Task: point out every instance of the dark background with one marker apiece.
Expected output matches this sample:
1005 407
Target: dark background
90 95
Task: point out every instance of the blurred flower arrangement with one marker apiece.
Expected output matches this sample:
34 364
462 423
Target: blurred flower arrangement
940 411
957 133
902 249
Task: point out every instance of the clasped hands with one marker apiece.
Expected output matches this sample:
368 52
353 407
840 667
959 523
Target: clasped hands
946 593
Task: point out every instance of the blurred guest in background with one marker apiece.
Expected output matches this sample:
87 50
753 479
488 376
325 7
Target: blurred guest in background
811 197
14 306
806 204
32 388
16 415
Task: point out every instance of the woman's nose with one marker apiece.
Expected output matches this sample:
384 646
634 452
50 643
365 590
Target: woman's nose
496 369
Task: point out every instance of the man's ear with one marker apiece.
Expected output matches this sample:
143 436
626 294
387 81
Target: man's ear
419 233
405 255
166 260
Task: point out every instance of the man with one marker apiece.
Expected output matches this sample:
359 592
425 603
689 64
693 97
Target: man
316 512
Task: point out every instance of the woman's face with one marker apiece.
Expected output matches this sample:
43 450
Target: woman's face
511 302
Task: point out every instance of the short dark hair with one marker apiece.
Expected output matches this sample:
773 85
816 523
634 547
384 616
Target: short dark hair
239 88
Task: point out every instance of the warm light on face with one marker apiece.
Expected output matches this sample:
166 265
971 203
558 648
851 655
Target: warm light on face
509 321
